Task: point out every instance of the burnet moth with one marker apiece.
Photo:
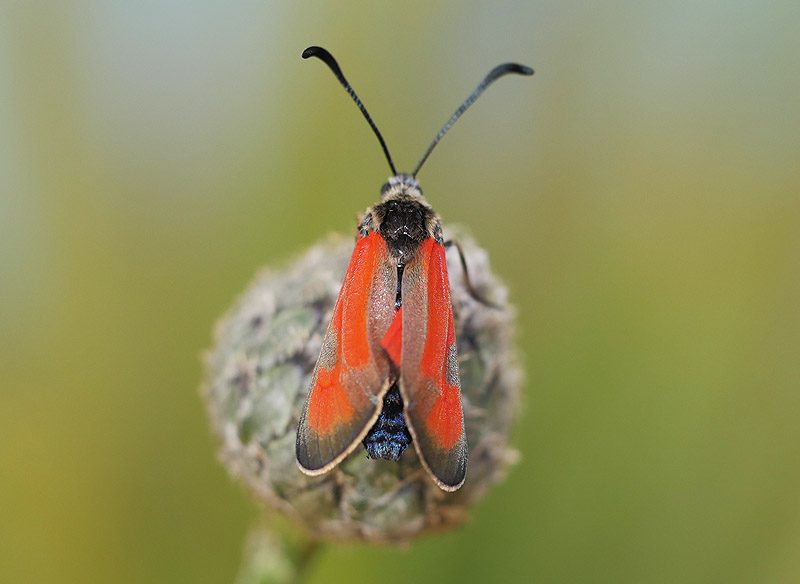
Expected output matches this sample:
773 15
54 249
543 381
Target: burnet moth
387 374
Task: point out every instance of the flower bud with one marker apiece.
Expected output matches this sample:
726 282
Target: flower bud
258 376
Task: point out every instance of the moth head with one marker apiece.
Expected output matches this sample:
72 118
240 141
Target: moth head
402 185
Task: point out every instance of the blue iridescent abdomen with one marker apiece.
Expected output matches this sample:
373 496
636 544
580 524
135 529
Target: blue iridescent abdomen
389 437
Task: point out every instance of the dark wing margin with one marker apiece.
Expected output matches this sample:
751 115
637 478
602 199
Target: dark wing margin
429 379
352 372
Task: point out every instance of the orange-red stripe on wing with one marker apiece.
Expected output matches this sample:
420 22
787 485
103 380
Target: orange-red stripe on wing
328 404
432 364
354 338
392 341
444 421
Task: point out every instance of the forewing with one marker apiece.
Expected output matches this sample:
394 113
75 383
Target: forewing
429 380
352 372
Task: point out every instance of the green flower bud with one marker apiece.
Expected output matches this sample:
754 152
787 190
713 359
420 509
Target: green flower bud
258 376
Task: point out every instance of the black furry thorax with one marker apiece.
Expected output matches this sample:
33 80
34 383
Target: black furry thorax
404 223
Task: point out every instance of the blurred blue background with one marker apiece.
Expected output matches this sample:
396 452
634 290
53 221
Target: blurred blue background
639 195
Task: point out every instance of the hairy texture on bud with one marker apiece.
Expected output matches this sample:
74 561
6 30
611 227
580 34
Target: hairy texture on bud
258 376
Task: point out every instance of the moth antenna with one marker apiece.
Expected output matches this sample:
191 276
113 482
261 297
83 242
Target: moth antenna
328 59
493 76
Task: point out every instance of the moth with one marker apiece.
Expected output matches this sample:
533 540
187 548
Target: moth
387 373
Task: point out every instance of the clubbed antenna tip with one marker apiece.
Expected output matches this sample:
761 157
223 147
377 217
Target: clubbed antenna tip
493 76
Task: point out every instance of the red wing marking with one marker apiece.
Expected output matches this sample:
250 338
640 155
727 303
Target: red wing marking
392 341
328 404
352 371
429 379
445 420
355 342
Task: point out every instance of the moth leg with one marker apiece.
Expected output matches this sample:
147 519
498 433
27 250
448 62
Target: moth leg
470 288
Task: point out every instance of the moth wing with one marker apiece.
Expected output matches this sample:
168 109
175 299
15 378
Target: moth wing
429 379
352 372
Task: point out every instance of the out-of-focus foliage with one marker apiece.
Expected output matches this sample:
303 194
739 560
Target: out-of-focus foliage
639 195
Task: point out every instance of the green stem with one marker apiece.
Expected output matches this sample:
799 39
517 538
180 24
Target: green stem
306 556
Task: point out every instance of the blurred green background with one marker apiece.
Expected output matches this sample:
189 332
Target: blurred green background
639 195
